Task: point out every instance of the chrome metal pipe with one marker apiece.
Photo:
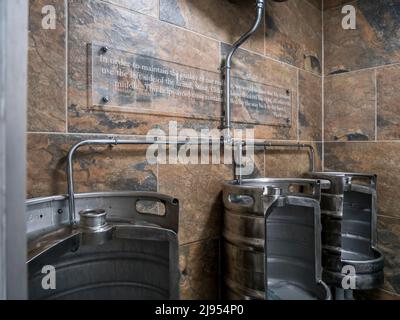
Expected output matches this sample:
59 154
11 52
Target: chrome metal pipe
293 145
228 64
115 141
110 142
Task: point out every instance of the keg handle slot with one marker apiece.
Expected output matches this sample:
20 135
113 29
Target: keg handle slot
302 188
310 188
362 181
150 207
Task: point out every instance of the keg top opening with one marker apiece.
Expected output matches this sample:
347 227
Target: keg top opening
93 220
93 213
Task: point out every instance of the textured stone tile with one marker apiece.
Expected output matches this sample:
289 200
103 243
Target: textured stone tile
46 165
388 79
290 163
329 4
199 190
374 42
310 107
117 122
294 34
96 168
199 263
93 21
389 243
256 68
250 66
381 158
316 3
46 69
223 20
149 7
350 106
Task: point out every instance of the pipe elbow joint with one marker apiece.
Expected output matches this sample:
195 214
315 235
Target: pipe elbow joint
260 3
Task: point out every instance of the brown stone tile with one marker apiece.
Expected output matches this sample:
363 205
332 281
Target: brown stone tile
199 190
388 79
290 163
316 3
294 34
123 122
46 165
250 66
222 20
94 21
257 68
96 168
46 69
389 243
329 4
310 107
199 263
369 157
149 7
350 106
374 42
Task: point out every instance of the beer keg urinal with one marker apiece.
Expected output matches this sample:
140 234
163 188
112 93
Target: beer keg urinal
272 240
120 251
349 217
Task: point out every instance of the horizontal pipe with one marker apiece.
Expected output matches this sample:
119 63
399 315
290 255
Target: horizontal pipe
297 145
111 142
115 142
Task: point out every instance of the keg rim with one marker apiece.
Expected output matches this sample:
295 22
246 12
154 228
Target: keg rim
248 182
342 174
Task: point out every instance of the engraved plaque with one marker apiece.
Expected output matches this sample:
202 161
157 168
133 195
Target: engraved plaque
124 81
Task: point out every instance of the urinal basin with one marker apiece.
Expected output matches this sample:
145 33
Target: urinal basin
272 240
133 256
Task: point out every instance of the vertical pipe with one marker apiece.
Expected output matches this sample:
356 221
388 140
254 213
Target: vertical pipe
228 65
239 163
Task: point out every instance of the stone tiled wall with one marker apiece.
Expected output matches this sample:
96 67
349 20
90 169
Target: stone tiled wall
286 52
362 112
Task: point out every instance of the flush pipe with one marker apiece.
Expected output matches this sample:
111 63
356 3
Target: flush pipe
143 140
228 66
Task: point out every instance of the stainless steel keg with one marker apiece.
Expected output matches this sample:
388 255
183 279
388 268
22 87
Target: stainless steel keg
272 240
349 217
116 252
